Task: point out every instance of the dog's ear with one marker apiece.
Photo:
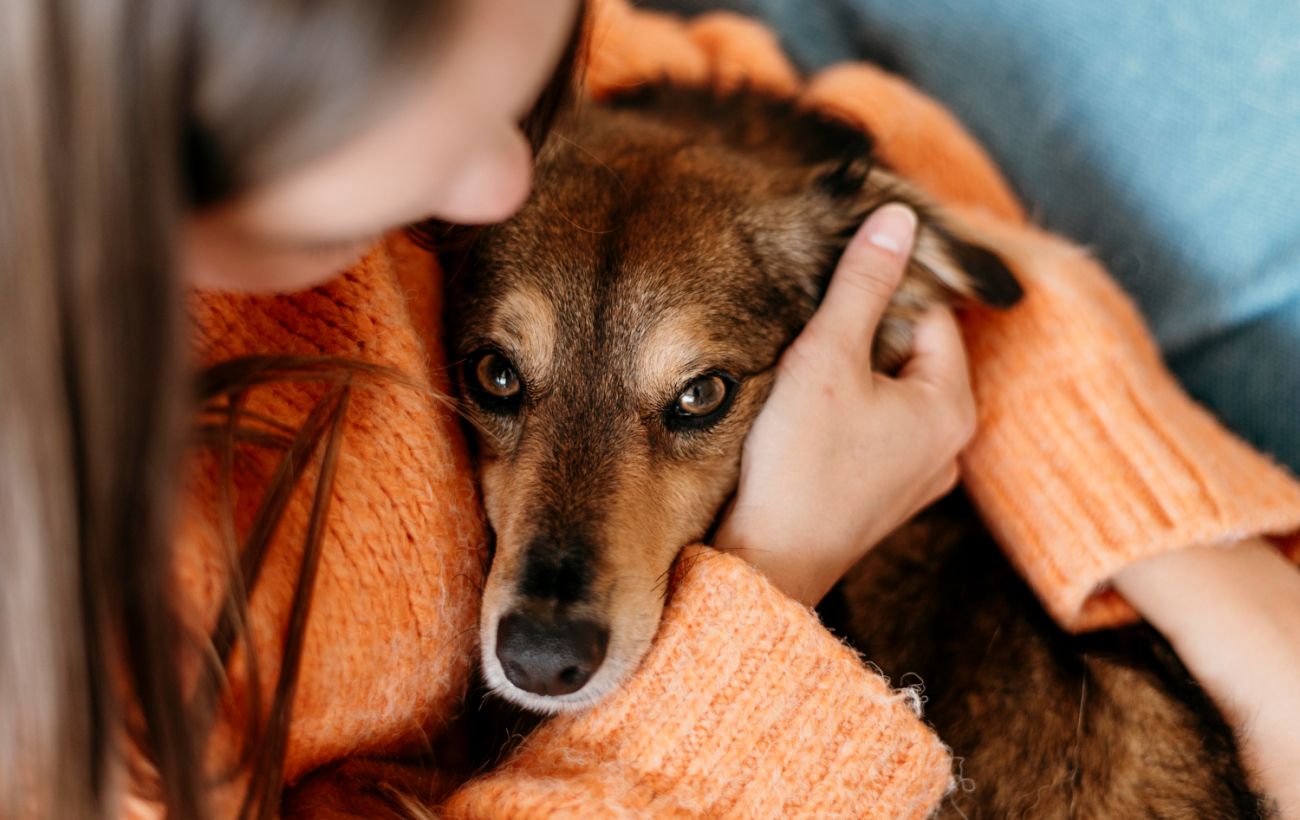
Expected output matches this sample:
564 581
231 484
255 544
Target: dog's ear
968 269
945 252
949 265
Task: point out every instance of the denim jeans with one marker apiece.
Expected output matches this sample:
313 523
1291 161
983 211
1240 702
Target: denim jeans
1163 136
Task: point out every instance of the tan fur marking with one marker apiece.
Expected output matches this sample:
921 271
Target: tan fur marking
527 318
672 350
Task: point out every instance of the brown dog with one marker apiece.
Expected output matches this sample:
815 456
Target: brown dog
617 339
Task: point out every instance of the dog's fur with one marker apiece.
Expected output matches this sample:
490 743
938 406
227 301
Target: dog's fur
675 236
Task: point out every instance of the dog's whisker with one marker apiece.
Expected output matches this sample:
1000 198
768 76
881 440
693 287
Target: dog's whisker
473 580
576 226
583 149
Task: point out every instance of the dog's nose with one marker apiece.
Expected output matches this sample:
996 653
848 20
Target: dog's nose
550 658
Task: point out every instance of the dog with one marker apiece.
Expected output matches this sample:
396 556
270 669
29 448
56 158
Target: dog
615 341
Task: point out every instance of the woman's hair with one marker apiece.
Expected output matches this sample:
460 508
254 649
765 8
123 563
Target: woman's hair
118 117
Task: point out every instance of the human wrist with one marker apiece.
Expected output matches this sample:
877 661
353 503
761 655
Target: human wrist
804 575
1206 600
1232 613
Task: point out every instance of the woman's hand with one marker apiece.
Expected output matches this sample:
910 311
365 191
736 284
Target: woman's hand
841 456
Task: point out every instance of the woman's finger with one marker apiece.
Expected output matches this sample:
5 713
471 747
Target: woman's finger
938 354
939 363
865 280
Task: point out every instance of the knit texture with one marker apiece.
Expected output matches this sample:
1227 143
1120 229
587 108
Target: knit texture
1088 457
390 642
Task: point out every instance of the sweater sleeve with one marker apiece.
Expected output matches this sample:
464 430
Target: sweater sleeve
1089 456
744 706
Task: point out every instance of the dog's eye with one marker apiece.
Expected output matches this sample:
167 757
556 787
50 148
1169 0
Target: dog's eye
702 396
701 403
496 375
493 381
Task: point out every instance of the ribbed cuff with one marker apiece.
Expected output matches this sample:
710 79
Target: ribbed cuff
745 706
1089 455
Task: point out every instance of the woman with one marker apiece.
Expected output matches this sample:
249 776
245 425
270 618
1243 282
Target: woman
253 145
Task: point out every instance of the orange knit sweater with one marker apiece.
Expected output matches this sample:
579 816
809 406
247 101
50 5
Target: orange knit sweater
1088 457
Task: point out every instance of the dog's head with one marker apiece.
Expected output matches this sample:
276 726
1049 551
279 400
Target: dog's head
617 338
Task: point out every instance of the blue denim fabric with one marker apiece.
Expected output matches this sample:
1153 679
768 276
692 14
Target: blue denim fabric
1164 136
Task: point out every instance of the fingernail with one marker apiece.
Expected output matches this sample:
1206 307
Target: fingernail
891 226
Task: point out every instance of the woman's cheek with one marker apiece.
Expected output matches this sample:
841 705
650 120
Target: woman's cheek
211 261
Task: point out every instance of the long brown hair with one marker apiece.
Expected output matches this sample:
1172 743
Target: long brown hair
116 118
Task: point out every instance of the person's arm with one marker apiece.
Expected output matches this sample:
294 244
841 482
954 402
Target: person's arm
745 706
1232 613
1091 465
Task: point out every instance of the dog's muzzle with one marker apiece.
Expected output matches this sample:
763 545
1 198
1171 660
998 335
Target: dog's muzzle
550 657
